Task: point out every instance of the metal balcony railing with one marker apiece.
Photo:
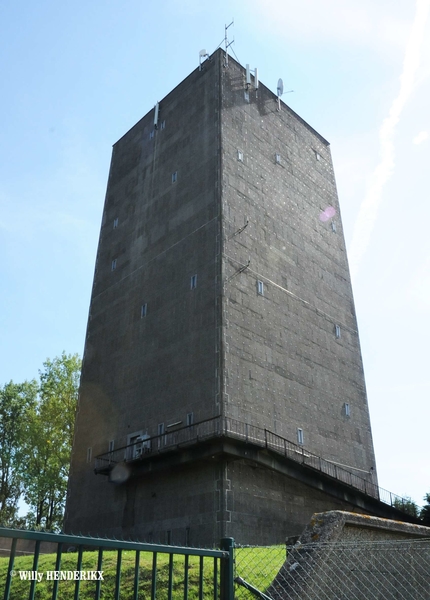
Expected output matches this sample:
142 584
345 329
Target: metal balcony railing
234 429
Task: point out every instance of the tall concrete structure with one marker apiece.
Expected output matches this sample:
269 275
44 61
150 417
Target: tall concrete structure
222 358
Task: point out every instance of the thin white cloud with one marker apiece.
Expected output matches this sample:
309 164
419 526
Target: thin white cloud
369 208
421 137
360 22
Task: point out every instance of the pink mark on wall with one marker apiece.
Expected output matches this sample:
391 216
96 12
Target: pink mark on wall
327 214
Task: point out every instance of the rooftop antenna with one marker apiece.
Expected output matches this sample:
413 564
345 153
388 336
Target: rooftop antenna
248 77
227 43
280 91
202 54
156 109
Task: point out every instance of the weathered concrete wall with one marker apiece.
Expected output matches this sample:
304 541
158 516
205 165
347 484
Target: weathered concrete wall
264 508
143 371
340 526
345 555
284 367
26 547
176 198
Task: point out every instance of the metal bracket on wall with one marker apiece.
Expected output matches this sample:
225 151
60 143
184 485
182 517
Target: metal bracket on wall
241 229
240 270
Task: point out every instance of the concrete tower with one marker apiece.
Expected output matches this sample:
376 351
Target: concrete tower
222 389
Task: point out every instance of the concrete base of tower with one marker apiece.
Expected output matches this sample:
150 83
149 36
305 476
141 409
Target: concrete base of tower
213 490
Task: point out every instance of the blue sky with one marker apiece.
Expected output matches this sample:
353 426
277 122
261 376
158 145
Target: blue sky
76 76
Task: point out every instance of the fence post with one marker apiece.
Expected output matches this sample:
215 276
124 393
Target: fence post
227 570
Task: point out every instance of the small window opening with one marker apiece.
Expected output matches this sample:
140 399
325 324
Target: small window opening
151 135
260 288
333 226
240 156
160 428
175 177
113 265
347 409
246 96
300 436
115 223
337 331
193 283
317 155
190 419
163 125
278 159
143 310
134 447
89 454
111 445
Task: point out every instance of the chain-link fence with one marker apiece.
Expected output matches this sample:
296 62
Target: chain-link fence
384 570
256 566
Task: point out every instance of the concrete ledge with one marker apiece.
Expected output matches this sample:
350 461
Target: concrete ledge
225 448
342 526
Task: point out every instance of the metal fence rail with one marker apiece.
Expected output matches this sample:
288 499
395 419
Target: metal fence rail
157 444
284 447
234 429
398 569
84 567
353 570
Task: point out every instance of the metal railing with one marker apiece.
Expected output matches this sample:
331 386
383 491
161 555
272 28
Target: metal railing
87 567
120 570
157 444
252 434
288 449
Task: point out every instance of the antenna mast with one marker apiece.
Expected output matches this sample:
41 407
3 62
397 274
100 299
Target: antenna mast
227 43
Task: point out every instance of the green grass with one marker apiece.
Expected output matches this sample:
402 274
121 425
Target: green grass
20 589
256 565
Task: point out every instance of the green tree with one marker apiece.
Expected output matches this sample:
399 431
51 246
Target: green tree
16 402
425 511
407 505
48 445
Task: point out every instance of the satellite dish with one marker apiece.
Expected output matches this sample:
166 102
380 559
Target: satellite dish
280 87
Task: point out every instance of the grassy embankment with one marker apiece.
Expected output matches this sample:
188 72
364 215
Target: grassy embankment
256 565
